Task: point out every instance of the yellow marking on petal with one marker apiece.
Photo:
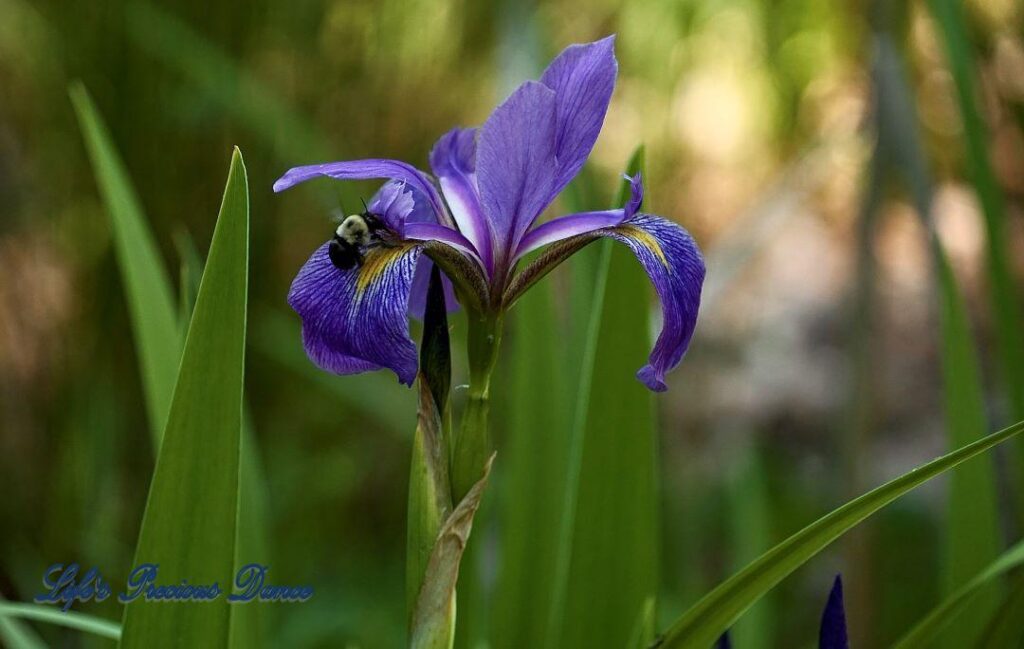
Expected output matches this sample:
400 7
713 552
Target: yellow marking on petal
645 239
376 263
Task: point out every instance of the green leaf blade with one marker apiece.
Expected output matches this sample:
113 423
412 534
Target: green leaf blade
701 625
190 524
929 629
611 492
1006 306
9 612
148 289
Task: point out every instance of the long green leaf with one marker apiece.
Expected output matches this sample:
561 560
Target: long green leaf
1004 629
51 615
608 540
1005 300
190 524
147 287
701 625
15 633
533 460
148 291
750 531
927 630
972 523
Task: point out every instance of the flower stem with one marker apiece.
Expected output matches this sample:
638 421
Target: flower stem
471 446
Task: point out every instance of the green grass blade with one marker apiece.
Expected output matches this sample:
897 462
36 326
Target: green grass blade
533 460
190 524
927 630
70 619
189 274
149 295
14 633
972 523
1009 321
701 625
750 531
1004 629
608 541
151 302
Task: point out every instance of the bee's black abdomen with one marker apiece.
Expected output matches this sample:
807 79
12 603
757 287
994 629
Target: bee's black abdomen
345 257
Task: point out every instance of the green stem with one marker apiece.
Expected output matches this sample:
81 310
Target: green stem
472 445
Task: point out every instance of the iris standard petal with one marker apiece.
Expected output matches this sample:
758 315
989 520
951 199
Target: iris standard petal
833 620
355 320
367 170
393 203
672 260
453 160
576 224
515 164
583 78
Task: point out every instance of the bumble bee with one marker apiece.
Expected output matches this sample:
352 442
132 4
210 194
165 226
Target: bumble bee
353 234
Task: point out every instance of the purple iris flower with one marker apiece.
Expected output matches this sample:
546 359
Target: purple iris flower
477 218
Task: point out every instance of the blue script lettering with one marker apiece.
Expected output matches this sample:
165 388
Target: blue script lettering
250 582
62 587
142 582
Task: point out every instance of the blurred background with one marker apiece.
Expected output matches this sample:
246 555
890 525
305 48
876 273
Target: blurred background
815 371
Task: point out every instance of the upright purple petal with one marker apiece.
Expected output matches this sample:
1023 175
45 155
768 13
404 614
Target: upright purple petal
574 224
516 165
367 170
393 203
355 321
453 160
583 77
671 259
833 620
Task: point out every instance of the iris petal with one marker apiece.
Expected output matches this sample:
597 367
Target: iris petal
355 320
671 259
583 77
393 203
516 164
576 224
366 170
833 620
453 160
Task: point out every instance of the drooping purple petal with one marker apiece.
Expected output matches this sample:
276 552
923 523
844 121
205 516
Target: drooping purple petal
368 170
672 260
723 641
583 78
420 284
516 165
833 620
355 321
393 203
453 160
574 224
